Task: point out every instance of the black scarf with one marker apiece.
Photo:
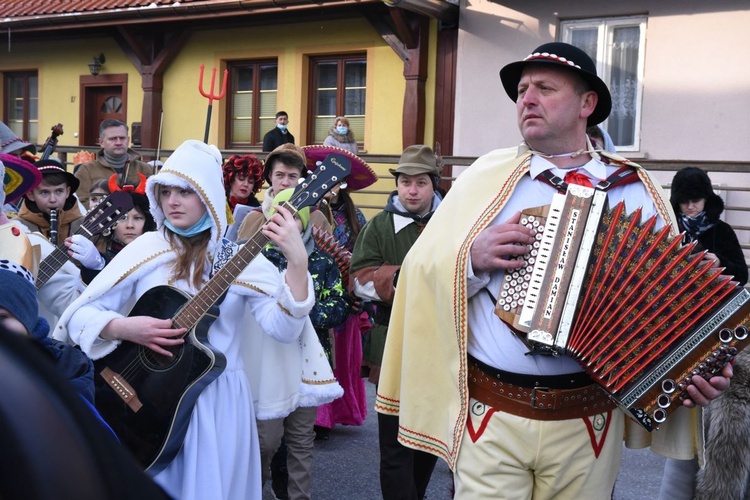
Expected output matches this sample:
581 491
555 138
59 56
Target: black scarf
695 226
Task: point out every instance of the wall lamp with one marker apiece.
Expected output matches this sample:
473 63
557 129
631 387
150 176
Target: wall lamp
96 64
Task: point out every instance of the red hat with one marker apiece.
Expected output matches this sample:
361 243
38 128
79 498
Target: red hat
361 176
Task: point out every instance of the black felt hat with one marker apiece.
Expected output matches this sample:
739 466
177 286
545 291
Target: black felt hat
53 165
566 56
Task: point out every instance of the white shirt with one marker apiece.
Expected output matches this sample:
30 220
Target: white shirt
490 340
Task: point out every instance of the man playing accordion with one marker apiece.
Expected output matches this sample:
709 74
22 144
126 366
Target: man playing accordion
458 377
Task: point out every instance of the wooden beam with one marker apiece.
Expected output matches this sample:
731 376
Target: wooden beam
405 27
151 52
415 74
388 34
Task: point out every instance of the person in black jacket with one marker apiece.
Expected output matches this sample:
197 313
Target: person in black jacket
279 134
698 209
726 419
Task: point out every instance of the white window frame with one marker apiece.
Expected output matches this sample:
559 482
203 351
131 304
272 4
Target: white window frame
605 28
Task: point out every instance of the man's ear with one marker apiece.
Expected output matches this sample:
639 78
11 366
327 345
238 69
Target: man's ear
67 192
589 100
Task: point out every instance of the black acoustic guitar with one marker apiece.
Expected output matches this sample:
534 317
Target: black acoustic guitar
148 398
102 217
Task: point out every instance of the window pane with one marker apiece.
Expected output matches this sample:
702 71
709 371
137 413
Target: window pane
33 132
624 84
327 75
33 109
268 104
585 39
242 105
242 79
355 74
355 102
326 104
15 110
17 127
269 77
33 87
241 129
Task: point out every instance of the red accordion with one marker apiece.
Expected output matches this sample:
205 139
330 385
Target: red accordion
641 312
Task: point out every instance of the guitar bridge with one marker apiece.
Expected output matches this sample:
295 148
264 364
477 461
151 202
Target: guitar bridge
122 388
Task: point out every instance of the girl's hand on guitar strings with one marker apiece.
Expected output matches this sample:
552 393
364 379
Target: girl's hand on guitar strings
156 334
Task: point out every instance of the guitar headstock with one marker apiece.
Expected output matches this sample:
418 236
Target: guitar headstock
334 168
109 211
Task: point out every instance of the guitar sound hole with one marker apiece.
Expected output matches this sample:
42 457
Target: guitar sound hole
158 362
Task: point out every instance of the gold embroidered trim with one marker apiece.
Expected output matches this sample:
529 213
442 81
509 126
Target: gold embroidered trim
286 311
318 382
130 271
248 285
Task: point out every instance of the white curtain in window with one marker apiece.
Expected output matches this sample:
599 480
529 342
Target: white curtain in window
624 84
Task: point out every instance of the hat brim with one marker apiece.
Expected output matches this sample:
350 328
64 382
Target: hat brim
20 177
361 176
47 167
510 75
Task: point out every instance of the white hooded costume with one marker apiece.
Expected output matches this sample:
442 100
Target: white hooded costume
219 457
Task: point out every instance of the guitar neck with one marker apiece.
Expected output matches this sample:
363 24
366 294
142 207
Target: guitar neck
50 265
189 315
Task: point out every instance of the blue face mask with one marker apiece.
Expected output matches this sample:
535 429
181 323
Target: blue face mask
200 226
281 127
342 129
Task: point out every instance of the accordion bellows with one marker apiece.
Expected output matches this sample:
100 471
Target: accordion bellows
641 312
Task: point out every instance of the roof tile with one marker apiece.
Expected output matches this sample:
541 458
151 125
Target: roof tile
26 8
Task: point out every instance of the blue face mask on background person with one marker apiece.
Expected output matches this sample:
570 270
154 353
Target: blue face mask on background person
281 127
342 129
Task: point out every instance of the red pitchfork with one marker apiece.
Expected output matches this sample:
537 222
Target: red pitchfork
210 96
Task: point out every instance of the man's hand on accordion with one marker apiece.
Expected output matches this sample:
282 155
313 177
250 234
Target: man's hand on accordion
704 391
495 245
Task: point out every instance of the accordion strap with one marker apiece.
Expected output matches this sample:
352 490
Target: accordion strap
623 175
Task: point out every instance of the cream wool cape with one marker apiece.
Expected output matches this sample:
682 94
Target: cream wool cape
423 379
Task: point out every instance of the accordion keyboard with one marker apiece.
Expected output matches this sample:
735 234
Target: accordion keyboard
515 284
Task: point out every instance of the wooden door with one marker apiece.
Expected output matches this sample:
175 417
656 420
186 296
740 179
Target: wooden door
102 97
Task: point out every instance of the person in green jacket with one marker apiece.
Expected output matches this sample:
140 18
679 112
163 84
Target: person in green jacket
376 260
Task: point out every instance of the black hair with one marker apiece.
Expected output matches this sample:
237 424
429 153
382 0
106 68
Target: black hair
55 178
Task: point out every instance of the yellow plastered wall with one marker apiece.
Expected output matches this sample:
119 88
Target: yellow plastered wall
184 107
59 72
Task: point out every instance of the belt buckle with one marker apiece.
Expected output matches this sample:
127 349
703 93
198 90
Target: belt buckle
534 399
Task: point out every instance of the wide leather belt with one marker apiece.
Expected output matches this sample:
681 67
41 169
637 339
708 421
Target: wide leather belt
537 403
